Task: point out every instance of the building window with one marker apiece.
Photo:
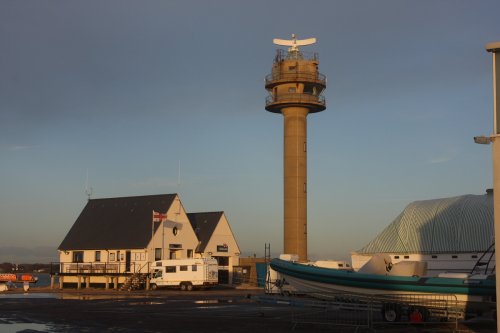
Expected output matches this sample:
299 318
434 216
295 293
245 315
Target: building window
117 255
189 253
407 257
97 256
183 268
292 90
173 255
474 256
112 256
157 254
434 257
222 261
77 256
396 257
454 257
194 268
170 269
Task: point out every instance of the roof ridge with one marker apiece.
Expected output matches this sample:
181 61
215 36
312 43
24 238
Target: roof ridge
135 196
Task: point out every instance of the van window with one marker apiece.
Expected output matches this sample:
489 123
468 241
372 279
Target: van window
170 269
183 268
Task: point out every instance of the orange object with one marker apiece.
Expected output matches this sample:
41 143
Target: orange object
27 277
416 317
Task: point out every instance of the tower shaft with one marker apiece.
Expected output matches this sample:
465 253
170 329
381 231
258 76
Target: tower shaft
295 181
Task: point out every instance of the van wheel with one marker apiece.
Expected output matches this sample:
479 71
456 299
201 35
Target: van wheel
154 287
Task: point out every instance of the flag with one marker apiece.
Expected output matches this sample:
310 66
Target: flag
159 217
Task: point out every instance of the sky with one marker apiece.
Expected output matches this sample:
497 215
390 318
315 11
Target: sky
118 96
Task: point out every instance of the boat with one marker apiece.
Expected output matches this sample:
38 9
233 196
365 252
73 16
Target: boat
471 293
17 278
6 277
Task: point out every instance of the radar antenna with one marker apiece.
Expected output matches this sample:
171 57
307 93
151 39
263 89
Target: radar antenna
294 43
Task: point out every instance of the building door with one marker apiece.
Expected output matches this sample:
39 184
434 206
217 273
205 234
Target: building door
223 276
127 261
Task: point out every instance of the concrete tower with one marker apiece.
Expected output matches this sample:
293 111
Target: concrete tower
295 88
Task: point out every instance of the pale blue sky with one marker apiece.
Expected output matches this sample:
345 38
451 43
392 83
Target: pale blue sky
127 89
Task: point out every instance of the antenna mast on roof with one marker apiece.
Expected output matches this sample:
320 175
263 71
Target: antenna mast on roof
88 190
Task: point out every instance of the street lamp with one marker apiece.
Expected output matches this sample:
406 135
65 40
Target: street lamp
495 152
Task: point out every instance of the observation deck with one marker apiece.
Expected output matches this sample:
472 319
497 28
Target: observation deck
315 103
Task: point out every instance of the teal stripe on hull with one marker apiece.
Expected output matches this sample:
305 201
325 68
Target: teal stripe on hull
383 282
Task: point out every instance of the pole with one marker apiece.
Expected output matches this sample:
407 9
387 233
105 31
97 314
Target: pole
495 152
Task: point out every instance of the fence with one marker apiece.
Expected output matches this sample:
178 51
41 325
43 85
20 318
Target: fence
97 268
371 311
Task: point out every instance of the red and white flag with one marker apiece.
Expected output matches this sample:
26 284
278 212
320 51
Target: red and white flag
159 217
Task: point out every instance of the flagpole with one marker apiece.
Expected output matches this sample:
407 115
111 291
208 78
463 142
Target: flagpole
152 232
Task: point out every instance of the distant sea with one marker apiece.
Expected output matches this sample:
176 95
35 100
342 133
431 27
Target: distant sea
43 280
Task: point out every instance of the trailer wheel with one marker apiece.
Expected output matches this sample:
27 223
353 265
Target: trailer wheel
417 314
183 286
391 312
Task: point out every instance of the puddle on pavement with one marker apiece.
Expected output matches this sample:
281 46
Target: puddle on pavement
7 326
214 301
146 303
30 295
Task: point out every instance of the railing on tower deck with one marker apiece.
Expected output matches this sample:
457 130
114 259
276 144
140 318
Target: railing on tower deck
295 55
97 268
295 98
296 76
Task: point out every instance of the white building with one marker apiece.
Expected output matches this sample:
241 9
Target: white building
116 237
216 239
450 234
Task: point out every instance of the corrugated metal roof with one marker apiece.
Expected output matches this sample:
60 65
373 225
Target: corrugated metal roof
457 224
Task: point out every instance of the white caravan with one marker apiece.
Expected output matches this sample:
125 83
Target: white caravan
185 273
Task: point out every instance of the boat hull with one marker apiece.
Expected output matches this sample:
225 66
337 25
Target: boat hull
305 278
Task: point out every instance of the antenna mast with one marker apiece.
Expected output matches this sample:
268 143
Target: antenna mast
88 190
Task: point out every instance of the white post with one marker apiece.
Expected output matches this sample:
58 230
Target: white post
495 49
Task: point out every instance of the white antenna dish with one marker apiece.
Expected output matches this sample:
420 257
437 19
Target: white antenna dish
294 43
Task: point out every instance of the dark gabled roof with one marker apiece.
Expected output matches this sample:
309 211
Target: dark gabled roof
204 225
116 223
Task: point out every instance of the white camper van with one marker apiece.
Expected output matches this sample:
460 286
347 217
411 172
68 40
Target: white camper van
185 273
